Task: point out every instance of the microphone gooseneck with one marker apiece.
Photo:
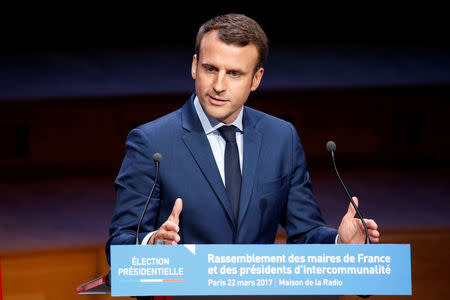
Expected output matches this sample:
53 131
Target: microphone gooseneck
157 157
331 146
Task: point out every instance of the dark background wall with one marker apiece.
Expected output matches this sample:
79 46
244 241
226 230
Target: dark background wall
78 25
75 79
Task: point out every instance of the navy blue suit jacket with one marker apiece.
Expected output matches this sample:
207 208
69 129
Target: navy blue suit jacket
276 188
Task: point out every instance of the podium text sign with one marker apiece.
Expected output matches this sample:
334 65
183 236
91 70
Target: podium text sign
260 270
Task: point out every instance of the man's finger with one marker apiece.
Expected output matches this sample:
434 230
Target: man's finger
351 212
374 233
176 211
168 236
170 226
374 236
371 224
165 242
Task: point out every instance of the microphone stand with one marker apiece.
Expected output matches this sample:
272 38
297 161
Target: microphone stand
331 146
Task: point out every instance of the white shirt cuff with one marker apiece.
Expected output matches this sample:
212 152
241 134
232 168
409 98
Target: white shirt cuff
336 240
147 238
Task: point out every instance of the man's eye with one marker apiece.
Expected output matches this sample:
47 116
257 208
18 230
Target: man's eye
235 74
210 69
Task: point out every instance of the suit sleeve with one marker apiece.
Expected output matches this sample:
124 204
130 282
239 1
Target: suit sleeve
303 220
133 185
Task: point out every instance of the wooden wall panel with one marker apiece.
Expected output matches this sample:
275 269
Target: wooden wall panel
51 274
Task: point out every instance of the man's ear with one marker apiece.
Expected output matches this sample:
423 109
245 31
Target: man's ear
194 67
257 79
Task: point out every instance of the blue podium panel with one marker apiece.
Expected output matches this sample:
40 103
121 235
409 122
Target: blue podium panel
260 270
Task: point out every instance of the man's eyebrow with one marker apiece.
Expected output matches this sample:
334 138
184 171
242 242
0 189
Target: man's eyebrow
206 64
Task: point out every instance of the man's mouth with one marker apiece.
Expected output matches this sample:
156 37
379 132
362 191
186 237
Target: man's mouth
217 101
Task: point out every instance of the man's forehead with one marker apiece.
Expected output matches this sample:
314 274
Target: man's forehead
215 51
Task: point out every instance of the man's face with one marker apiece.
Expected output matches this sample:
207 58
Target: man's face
224 76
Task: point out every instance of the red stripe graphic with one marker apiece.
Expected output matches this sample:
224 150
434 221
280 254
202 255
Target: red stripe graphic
164 280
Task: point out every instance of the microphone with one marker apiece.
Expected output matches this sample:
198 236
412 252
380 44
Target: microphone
157 157
331 146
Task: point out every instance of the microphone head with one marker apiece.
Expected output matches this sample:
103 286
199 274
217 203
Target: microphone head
331 146
157 157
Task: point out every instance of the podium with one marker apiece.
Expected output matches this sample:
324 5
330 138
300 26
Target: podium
251 271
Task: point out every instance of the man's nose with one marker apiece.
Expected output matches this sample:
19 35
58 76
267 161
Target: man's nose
219 83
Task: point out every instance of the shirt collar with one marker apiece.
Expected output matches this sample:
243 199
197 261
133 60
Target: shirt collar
211 124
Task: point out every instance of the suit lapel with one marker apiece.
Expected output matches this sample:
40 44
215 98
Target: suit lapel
252 145
198 145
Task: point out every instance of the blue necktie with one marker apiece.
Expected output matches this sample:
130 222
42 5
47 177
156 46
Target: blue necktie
232 167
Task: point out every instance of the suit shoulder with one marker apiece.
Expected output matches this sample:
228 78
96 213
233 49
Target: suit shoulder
165 122
162 127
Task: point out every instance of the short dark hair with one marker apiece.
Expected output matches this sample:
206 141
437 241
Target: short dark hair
236 29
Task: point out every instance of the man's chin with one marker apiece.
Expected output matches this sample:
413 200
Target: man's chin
217 116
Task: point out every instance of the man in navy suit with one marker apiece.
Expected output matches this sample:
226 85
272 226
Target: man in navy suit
193 202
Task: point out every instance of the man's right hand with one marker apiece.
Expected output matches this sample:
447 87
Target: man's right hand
168 232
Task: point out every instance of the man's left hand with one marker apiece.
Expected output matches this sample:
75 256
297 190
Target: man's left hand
351 230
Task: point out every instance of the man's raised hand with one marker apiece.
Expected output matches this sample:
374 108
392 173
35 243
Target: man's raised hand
168 232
